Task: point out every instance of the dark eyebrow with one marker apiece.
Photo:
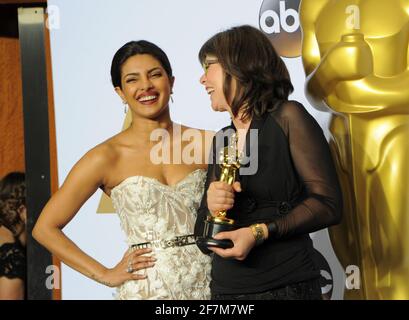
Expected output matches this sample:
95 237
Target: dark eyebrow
137 73
154 69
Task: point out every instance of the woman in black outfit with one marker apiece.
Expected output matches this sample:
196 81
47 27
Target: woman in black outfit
294 191
13 219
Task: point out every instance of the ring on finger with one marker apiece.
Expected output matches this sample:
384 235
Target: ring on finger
129 269
142 271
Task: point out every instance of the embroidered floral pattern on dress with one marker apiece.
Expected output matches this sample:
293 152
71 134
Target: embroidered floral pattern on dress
149 210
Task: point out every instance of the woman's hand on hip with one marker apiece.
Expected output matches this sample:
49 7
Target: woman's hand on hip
126 269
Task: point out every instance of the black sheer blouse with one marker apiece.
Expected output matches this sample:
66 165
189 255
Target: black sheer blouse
295 186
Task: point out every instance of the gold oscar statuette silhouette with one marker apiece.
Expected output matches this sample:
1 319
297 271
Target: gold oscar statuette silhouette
356 58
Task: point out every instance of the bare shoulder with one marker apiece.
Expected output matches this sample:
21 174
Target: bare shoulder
94 165
102 155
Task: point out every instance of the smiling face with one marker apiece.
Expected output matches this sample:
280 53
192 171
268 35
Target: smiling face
212 80
146 87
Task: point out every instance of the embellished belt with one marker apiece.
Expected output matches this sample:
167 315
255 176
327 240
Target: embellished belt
178 241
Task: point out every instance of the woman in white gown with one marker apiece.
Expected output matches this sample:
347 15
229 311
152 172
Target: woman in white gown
156 199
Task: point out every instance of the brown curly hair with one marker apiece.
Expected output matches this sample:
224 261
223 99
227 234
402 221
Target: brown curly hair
12 197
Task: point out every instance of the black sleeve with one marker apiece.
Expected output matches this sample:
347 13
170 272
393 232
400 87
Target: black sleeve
203 211
313 162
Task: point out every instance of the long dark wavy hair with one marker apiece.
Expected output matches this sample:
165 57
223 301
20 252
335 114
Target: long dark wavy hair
246 55
12 197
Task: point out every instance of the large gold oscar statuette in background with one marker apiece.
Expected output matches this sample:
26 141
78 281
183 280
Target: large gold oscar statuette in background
355 54
230 164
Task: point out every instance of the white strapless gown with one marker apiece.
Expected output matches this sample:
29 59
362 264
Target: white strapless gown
150 210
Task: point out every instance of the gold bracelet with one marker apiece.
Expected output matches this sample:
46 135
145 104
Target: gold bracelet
258 233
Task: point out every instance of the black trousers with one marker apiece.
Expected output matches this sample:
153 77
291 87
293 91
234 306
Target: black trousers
306 290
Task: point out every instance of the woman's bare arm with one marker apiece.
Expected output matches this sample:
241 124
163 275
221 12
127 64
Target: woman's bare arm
83 180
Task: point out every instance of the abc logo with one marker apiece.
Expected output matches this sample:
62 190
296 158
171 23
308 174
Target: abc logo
280 21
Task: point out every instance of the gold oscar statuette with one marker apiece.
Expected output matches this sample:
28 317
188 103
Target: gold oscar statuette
230 164
358 70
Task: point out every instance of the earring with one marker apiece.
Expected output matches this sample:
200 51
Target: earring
171 98
125 105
